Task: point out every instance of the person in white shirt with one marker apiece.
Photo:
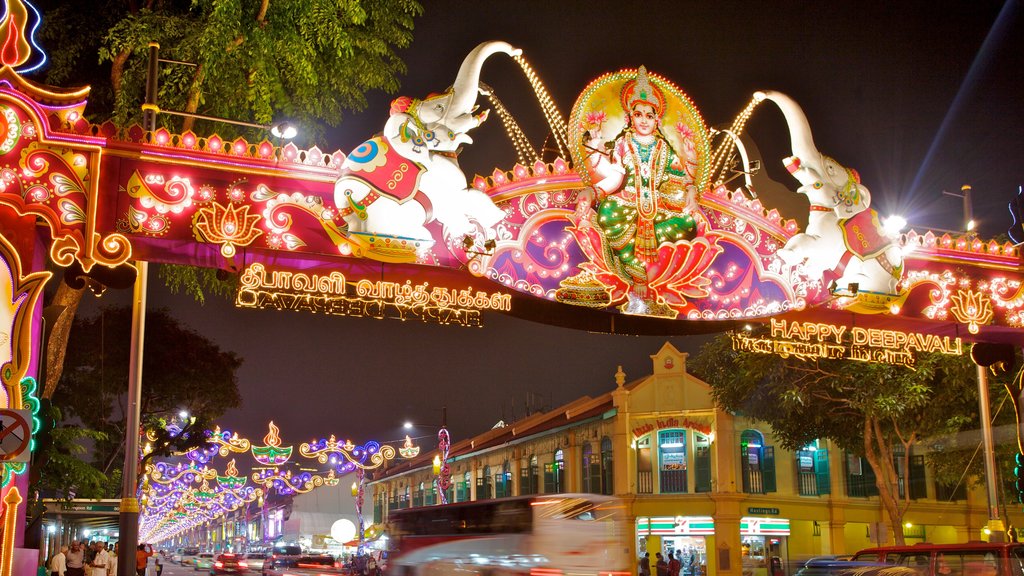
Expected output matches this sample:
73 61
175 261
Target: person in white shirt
58 563
112 565
101 562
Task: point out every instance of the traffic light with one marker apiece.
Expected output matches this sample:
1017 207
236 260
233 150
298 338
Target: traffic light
1018 477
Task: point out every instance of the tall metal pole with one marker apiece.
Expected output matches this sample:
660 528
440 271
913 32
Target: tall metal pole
128 520
997 532
969 225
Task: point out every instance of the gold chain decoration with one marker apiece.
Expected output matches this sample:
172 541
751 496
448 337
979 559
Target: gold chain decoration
723 152
524 150
554 117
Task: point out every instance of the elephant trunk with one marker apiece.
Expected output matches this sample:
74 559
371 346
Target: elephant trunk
467 83
801 140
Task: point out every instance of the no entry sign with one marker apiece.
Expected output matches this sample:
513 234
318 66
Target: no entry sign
15 435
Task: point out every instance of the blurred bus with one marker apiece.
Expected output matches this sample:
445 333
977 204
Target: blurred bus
541 535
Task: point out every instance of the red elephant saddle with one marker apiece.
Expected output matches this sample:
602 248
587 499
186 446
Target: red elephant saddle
862 235
377 164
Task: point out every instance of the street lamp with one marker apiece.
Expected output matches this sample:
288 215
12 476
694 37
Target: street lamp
965 194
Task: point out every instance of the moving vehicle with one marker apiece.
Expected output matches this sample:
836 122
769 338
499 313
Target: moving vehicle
578 533
836 567
288 558
186 556
203 561
228 563
973 558
255 560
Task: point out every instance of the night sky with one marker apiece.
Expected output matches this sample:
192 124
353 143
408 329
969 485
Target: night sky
919 97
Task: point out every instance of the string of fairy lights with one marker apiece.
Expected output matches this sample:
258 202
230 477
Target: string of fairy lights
178 497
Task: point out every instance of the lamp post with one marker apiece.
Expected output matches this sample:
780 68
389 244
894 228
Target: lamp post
442 472
441 468
357 493
965 194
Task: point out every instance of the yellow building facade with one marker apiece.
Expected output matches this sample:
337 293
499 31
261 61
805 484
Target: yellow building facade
696 480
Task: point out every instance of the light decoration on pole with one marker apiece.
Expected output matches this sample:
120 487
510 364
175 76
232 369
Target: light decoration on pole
357 492
442 470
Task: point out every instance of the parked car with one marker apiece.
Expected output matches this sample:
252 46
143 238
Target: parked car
228 563
973 558
255 560
203 561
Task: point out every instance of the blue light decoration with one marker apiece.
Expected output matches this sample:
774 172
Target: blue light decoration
347 457
19 49
179 497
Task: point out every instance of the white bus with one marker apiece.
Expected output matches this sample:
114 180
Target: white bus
542 535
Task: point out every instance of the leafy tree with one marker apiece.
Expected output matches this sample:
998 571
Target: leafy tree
62 469
256 60
865 408
182 370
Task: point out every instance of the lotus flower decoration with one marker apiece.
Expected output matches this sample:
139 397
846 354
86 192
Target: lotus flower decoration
677 273
230 226
971 308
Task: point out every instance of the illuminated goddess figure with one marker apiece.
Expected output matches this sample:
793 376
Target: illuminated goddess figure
645 190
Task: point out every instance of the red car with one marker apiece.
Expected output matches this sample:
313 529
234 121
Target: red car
229 564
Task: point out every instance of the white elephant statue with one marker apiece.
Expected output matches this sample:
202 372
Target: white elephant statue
844 244
398 181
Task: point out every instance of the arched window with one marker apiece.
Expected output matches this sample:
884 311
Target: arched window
701 462
554 474
590 470
528 477
757 463
503 482
672 461
417 495
644 466
483 484
462 483
607 467
812 470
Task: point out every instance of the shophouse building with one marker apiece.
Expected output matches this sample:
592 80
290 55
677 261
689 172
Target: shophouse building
694 478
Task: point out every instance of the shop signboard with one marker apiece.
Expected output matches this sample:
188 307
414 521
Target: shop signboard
675 526
750 526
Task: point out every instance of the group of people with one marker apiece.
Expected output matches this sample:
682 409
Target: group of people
672 567
93 559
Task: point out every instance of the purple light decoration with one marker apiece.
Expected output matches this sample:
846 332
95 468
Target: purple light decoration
444 475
